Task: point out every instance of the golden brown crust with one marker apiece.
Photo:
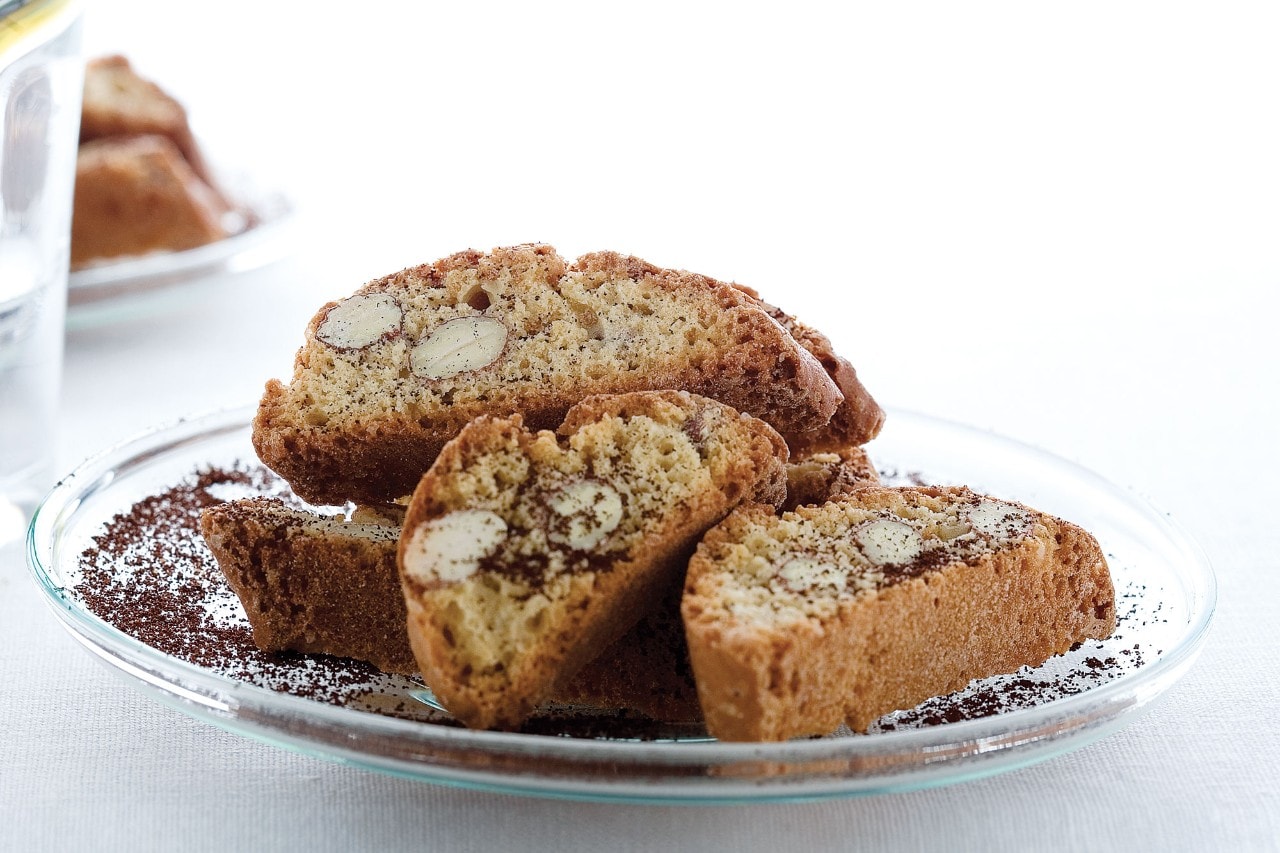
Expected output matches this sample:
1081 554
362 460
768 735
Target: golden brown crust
136 195
119 102
859 417
313 584
894 643
503 634
573 331
857 421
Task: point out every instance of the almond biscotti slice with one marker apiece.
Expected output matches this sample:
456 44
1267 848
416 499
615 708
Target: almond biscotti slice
525 554
388 375
314 583
878 600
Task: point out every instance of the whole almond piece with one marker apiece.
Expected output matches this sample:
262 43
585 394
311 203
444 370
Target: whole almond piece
449 548
887 542
360 321
461 345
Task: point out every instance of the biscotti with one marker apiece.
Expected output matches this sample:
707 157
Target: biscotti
388 375
525 554
324 584
136 195
843 612
119 102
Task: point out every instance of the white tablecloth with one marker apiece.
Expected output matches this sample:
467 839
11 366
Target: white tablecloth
1056 224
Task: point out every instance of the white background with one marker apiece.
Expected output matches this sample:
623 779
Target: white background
1057 221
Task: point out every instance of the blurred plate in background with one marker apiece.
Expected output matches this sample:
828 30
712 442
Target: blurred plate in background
130 287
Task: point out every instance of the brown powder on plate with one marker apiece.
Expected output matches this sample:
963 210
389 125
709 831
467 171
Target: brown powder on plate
150 575
1079 670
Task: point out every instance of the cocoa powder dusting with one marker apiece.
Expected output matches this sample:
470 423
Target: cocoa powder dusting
150 575
1079 670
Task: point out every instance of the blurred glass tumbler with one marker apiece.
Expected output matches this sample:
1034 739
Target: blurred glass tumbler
41 81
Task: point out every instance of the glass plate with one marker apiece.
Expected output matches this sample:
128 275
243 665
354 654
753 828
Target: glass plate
1165 597
124 288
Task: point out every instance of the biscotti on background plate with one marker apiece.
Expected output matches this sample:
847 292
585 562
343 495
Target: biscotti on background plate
142 184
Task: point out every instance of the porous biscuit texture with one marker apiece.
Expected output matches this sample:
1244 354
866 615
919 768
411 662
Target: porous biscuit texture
387 376
312 583
842 612
525 554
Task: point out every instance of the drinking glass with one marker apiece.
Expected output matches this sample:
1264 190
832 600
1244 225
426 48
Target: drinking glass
41 82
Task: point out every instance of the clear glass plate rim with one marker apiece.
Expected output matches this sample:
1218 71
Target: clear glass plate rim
63 500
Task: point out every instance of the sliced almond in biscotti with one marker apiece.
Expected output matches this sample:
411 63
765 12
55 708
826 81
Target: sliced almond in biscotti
524 554
388 375
878 600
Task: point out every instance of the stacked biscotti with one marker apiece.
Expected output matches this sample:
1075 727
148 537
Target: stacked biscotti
142 183
327 583
613 483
